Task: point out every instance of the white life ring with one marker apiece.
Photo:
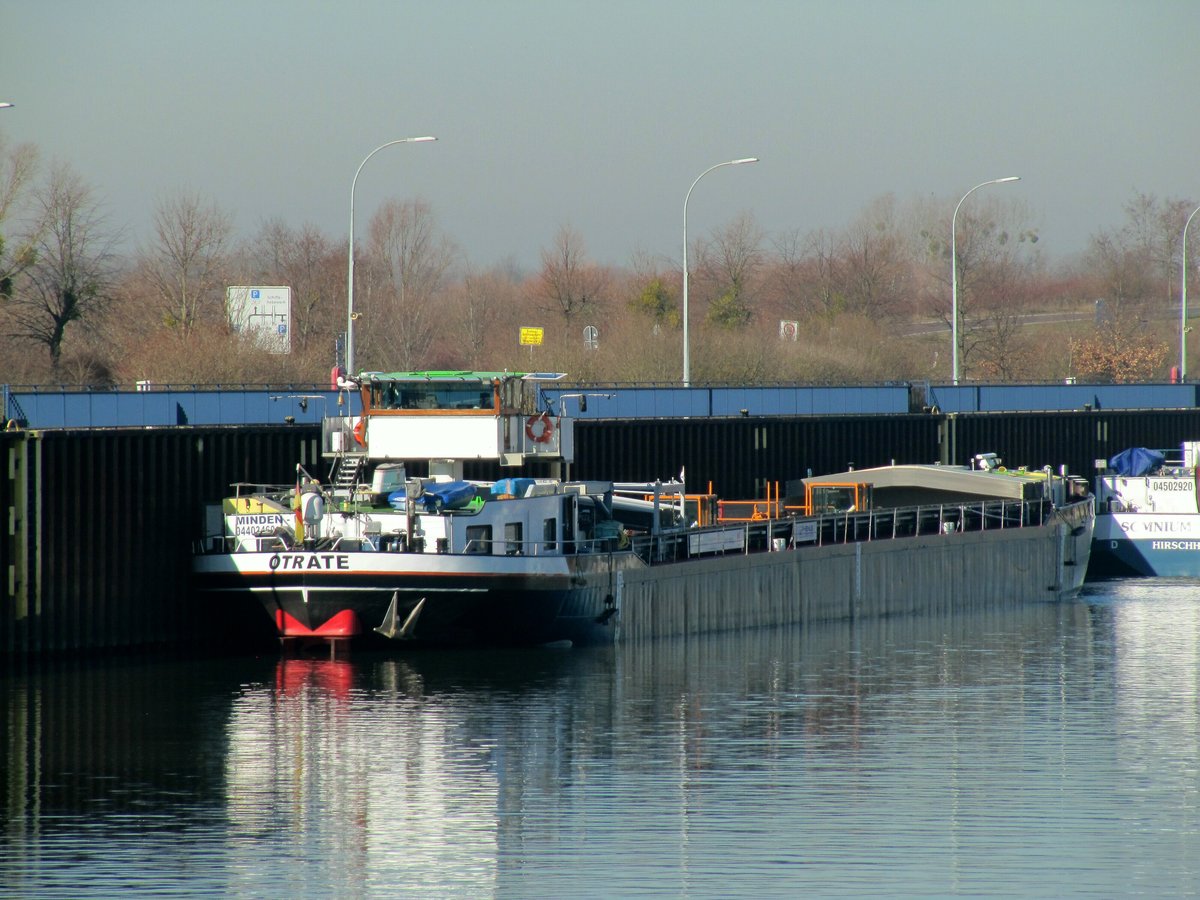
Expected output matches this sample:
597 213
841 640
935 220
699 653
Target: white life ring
539 429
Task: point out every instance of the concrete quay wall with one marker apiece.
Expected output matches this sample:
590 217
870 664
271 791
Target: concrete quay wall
99 523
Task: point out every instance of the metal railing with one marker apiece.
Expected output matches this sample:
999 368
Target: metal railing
744 537
763 535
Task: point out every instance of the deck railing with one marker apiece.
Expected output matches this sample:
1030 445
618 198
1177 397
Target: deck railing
763 535
753 536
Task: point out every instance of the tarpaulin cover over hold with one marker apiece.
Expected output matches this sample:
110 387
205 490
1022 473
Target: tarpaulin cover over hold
448 495
1136 461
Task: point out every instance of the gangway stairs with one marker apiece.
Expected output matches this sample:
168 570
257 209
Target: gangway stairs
346 470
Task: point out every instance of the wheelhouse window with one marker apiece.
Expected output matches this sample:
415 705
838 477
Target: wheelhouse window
549 534
432 395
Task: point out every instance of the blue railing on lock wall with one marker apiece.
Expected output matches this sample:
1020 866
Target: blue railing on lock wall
171 405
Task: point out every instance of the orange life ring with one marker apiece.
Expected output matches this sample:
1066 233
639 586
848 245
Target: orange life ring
360 431
539 429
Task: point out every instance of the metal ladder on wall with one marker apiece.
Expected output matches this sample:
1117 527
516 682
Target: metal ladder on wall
346 469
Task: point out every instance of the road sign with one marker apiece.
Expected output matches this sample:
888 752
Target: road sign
263 313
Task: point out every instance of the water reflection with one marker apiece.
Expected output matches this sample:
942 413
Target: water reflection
1048 748
1156 626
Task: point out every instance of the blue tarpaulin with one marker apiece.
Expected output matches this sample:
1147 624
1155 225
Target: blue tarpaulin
448 495
1136 461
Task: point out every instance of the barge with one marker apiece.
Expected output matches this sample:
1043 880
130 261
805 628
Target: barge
396 544
1147 514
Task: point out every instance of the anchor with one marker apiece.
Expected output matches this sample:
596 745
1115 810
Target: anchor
388 627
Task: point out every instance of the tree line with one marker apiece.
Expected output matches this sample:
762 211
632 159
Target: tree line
866 303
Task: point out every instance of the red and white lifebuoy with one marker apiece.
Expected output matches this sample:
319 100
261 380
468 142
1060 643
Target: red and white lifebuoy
539 429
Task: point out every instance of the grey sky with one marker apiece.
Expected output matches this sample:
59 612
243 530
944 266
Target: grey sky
600 114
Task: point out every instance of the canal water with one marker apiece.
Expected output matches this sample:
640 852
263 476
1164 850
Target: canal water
1049 749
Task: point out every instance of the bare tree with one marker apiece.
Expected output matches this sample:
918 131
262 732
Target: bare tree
875 272
315 269
863 271
1138 263
18 166
730 265
411 259
1153 228
788 281
186 263
478 308
569 284
1122 272
995 339
995 259
71 276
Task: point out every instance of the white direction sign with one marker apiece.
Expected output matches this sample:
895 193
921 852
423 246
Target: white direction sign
264 313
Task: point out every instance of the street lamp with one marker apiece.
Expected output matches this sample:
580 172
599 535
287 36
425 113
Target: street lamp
1183 302
954 270
350 277
687 368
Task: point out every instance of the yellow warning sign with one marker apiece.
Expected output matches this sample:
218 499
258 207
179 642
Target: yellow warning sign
531 337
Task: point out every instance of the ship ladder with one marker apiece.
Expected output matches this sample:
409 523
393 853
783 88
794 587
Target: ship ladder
345 473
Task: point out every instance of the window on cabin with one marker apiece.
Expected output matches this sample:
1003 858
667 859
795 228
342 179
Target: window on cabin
549 534
479 539
513 538
586 520
835 499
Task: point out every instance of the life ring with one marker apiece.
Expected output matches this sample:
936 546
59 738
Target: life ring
12 425
539 429
360 432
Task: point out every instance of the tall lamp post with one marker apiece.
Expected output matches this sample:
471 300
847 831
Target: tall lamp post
1183 300
687 366
954 270
350 277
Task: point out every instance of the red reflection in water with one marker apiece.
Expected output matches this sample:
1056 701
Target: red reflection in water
332 677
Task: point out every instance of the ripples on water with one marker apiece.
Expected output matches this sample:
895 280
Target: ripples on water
1046 750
